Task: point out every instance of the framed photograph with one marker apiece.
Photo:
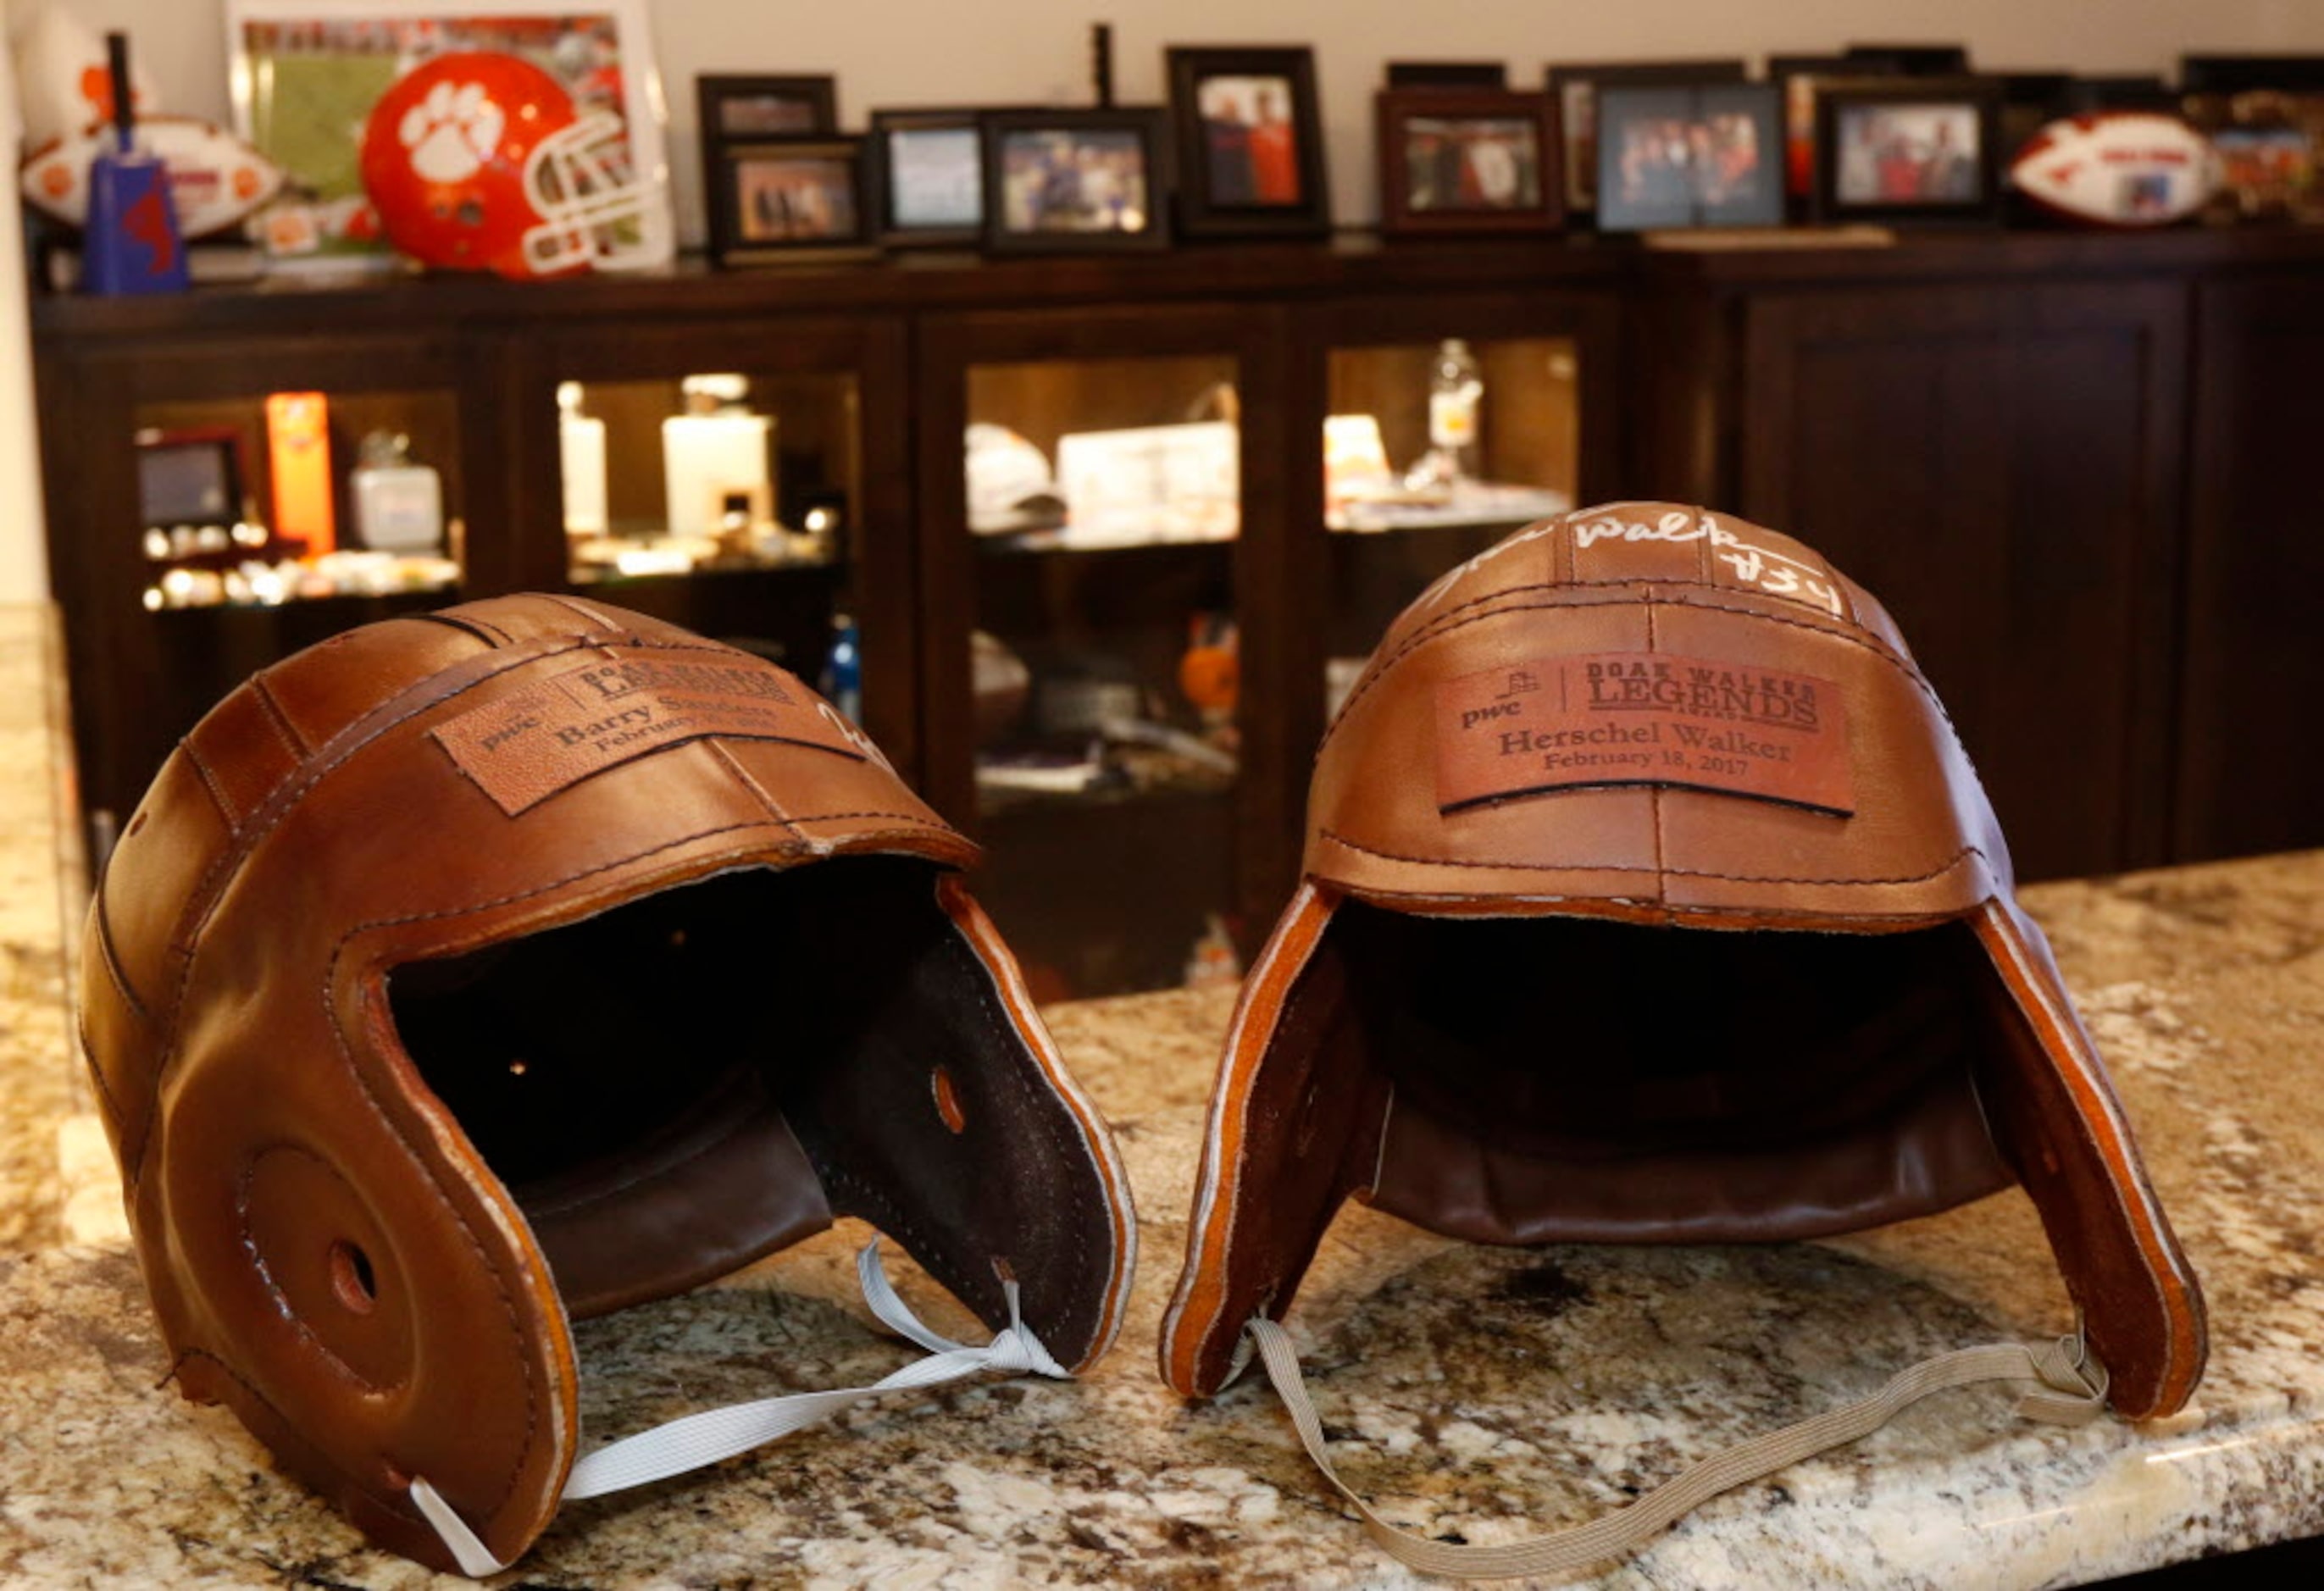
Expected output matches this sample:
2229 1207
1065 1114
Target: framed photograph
790 198
1456 161
2234 74
1707 155
2267 172
1448 74
734 108
1909 150
305 73
1575 90
928 177
1075 181
1249 143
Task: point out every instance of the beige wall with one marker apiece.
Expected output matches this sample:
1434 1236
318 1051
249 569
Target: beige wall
900 52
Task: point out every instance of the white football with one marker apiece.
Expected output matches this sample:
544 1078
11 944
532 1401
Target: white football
2118 169
215 177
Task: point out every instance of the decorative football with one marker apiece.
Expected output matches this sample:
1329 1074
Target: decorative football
215 177
2118 169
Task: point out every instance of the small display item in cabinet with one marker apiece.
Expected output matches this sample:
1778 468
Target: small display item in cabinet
1574 87
1707 155
1011 487
1468 161
2129 169
577 168
1075 181
1249 143
398 503
780 200
1149 484
928 177
1909 150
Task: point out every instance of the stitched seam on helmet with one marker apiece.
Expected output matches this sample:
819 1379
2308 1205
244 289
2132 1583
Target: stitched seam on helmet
1445 861
96 1073
702 1151
339 1366
589 613
110 958
473 631
468 1233
1437 627
275 715
209 783
765 799
399 1505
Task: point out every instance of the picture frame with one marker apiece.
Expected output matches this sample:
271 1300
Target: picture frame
1908 60
777 200
733 109
1910 152
2237 74
1076 182
1468 162
1250 141
1683 156
928 177
1575 89
303 73
1448 74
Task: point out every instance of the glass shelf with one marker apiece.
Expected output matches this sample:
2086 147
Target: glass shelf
1402 506
294 497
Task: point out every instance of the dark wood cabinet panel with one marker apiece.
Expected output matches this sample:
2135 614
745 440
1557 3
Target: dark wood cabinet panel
1999 465
2251 705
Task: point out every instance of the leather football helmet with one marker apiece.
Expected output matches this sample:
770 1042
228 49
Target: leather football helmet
480 161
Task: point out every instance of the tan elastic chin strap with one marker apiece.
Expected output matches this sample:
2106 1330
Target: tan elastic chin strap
2076 1387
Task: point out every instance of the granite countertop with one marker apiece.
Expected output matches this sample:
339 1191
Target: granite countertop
1482 1392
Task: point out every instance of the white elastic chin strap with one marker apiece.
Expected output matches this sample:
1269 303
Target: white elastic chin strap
698 1439
2075 1392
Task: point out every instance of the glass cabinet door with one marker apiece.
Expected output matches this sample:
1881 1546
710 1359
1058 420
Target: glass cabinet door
719 479
1091 563
1435 447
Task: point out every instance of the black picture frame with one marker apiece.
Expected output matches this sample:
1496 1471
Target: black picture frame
1010 136
1909 60
1448 74
1678 197
1797 78
718 96
1223 179
2239 74
895 229
1573 90
739 187
1839 103
1397 110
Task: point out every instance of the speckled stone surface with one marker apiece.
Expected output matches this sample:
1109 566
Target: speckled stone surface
1471 1392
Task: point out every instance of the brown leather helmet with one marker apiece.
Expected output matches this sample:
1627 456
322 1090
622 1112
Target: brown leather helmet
1515 999
467 973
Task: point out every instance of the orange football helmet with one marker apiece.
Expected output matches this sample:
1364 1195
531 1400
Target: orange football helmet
477 161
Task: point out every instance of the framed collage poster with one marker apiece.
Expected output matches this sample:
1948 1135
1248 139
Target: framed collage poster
306 73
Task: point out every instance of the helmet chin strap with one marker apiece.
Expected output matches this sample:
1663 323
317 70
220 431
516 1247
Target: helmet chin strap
2071 1391
699 1440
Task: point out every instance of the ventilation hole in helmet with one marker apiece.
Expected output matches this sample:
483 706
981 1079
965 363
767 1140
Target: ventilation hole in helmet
517 1067
940 1083
470 214
352 1281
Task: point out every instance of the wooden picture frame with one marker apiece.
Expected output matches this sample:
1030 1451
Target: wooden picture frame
1732 172
1448 74
1063 181
736 109
1442 174
772 200
1928 179
1575 89
923 206
1242 172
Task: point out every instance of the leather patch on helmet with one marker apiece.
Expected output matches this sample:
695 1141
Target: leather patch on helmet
1642 718
622 706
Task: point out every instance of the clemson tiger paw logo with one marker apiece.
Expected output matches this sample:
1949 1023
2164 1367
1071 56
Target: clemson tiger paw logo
452 131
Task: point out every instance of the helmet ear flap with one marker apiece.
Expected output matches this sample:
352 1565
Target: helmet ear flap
328 1266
